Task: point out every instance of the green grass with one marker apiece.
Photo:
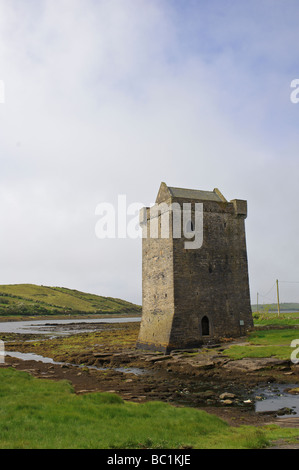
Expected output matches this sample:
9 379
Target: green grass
268 319
41 414
269 342
29 299
265 343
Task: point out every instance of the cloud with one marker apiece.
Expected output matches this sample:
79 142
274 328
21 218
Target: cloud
111 97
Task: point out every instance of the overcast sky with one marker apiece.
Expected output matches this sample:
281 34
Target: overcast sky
111 97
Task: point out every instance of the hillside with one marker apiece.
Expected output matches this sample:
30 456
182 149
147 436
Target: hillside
29 299
273 307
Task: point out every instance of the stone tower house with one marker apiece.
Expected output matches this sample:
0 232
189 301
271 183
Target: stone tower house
198 295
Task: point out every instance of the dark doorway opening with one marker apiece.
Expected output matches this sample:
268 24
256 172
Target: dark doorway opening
205 326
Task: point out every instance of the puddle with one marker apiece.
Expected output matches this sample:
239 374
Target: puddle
274 397
31 357
48 360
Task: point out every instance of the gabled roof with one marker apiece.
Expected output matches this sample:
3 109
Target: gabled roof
169 191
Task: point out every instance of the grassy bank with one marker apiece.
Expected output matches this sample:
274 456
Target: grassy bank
272 337
36 413
273 319
268 342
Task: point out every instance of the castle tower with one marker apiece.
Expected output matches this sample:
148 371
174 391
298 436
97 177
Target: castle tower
193 291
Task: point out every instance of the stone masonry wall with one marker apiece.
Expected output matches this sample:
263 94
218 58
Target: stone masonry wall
212 281
181 286
157 292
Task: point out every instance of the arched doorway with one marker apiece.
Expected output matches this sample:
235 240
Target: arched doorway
205 326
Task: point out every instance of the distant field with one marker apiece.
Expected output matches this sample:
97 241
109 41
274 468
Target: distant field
30 299
273 319
284 307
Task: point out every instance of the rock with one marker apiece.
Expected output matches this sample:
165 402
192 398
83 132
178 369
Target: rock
226 395
206 394
293 391
104 355
220 360
211 402
180 351
285 411
253 364
226 402
158 358
204 364
266 413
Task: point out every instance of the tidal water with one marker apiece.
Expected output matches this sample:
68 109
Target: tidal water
59 327
275 397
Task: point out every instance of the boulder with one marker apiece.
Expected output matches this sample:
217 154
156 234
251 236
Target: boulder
226 402
226 395
285 411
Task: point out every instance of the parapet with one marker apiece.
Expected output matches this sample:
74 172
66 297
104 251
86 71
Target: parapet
240 207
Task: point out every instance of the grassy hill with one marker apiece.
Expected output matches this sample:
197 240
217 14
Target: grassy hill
273 307
29 299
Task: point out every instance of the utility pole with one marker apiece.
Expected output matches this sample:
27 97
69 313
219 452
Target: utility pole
278 307
257 302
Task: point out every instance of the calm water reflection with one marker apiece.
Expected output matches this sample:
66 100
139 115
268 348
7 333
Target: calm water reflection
59 327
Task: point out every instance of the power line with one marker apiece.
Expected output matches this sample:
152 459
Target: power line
265 295
271 299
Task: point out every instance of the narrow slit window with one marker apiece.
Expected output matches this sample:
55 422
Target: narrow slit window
205 326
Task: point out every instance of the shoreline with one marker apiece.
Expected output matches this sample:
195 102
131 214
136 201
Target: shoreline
193 379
